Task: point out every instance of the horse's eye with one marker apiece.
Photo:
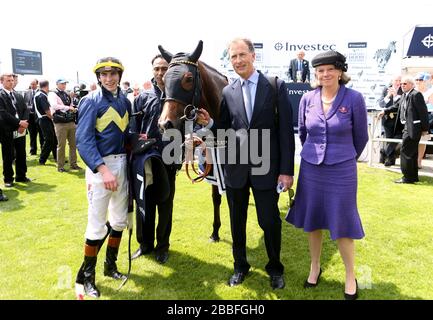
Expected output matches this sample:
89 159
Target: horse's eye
187 81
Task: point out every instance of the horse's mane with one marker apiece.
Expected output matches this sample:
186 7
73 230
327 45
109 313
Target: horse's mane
213 83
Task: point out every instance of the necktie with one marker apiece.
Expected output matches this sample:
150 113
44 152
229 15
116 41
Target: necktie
299 65
14 101
12 98
247 99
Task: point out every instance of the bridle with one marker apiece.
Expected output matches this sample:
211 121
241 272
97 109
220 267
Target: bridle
193 141
197 86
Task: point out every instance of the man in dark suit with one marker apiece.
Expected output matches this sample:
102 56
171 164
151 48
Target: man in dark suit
3 197
13 112
299 69
248 110
33 123
390 96
45 122
412 114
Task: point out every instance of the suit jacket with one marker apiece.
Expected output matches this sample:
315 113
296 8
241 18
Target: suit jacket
338 136
8 112
388 120
28 98
294 67
279 146
416 114
23 112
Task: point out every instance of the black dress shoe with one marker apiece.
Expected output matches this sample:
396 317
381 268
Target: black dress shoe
403 180
162 257
382 156
312 285
141 251
115 274
237 278
277 282
389 163
3 197
25 179
352 296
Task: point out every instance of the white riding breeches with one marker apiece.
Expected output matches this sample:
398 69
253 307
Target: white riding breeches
102 201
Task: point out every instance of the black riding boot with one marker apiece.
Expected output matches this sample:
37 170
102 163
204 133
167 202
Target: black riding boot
91 243
110 267
90 288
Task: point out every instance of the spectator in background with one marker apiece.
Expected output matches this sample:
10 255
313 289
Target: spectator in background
390 96
34 129
13 112
20 142
126 88
93 86
64 114
3 197
423 85
45 121
413 115
147 85
299 69
135 93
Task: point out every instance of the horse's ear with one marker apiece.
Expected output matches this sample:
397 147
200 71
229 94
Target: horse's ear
165 54
197 52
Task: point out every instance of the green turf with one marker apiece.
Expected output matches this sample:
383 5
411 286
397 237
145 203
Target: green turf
42 235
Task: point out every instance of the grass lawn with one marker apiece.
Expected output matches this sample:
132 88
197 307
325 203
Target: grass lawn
43 223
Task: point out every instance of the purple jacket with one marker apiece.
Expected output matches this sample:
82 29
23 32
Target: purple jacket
339 136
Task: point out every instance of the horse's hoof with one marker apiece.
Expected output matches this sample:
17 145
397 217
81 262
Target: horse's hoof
214 238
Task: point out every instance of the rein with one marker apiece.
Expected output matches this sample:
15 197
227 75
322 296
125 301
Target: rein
193 141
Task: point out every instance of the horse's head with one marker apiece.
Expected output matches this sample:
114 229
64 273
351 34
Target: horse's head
182 87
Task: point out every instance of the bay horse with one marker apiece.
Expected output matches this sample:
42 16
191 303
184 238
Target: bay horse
191 84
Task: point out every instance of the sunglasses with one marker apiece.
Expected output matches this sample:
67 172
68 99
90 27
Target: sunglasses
291 199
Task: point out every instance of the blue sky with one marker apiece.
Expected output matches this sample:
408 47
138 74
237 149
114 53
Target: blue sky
73 34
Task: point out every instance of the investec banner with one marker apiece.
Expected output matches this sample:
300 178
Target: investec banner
371 63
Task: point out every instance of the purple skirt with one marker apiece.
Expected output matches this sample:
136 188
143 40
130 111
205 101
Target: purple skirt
326 199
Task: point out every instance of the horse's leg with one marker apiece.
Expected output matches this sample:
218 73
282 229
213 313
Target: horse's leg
216 199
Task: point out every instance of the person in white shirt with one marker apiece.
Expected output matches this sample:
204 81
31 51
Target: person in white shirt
64 115
423 85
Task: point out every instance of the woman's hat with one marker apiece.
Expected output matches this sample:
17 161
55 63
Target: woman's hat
330 57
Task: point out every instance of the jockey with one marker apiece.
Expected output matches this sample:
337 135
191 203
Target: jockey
103 126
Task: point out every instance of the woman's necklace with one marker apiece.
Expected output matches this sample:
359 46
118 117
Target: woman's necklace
327 101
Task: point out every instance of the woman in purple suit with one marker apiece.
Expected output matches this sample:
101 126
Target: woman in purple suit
333 132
